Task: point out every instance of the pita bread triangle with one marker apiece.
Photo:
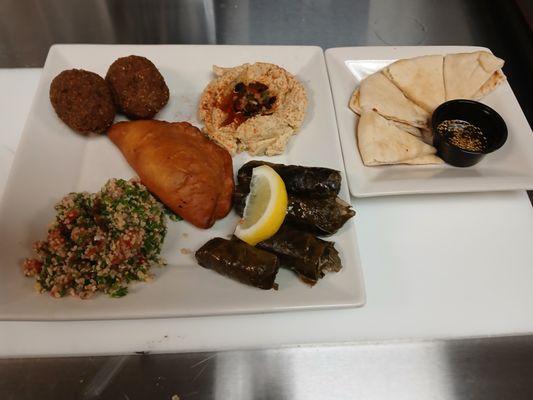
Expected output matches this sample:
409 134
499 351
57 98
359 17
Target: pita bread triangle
378 93
413 130
422 160
420 79
466 73
495 80
355 106
380 142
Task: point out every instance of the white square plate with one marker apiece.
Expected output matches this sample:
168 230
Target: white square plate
52 160
509 168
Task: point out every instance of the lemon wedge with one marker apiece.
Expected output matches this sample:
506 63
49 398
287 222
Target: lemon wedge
266 206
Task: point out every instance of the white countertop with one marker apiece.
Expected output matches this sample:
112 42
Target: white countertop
435 266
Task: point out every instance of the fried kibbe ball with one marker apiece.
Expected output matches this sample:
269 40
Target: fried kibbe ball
82 100
139 89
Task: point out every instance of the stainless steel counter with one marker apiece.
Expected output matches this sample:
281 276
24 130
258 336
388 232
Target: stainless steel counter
29 27
490 368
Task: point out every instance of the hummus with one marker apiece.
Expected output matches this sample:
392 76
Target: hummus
252 107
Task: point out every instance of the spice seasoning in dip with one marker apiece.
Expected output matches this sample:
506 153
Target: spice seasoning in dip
463 135
247 100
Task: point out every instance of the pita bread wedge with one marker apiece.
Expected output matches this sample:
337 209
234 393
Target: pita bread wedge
354 104
378 93
494 81
466 73
413 130
381 142
420 79
423 160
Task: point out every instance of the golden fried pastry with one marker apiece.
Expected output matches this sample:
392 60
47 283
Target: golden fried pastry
190 174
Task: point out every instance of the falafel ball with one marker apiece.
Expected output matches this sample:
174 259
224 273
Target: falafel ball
82 100
139 89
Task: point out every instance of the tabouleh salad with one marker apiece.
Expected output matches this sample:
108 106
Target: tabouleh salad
100 242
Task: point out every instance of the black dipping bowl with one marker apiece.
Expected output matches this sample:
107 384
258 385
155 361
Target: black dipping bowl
484 117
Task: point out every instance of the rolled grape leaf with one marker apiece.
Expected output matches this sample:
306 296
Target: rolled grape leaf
239 198
316 182
309 256
318 216
322 217
239 261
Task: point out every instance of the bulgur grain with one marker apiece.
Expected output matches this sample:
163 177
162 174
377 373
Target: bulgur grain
100 242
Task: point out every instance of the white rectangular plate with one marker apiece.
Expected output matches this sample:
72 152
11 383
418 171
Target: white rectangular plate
52 160
509 168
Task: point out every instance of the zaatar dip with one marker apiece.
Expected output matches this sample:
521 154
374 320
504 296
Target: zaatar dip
462 134
99 242
464 131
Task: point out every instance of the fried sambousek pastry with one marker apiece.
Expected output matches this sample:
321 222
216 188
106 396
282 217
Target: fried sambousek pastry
190 174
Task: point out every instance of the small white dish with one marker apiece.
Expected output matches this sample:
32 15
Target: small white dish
52 161
509 168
